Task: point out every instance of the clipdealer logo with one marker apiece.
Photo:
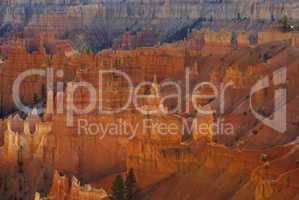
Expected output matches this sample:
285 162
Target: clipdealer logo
278 121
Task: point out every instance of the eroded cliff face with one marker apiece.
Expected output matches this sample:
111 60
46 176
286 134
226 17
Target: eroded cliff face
112 18
198 170
182 169
218 9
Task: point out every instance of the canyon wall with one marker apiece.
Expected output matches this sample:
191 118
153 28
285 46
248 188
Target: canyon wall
218 39
66 149
243 39
156 157
33 87
273 36
146 62
217 9
65 188
110 19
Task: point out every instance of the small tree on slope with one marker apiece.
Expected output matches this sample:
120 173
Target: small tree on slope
130 185
117 189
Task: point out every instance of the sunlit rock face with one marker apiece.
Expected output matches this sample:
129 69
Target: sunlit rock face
66 149
32 88
65 188
253 161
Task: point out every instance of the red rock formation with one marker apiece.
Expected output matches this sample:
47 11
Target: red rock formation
212 171
130 41
64 189
295 40
273 36
162 62
217 42
243 39
18 60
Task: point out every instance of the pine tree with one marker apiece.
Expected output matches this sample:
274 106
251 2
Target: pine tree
130 185
117 189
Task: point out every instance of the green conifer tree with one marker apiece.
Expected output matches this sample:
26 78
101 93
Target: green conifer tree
117 189
130 185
